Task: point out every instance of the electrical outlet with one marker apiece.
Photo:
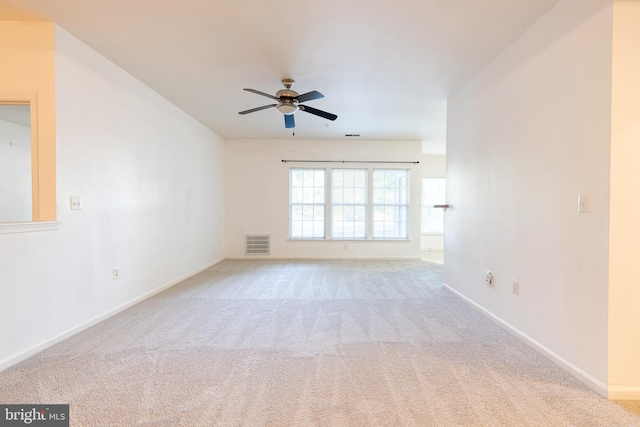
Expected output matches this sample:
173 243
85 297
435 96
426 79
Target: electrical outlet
584 203
116 273
515 286
488 279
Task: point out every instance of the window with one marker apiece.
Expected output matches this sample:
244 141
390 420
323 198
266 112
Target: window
349 203
307 203
390 204
433 193
355 204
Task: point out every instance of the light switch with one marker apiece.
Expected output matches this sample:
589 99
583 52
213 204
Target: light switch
584 203
76 203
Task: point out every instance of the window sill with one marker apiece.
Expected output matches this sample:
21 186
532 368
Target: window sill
28 226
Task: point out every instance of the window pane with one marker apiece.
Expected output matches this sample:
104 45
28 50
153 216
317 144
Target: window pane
307 229
349 196
337 194
349 179
337 178
296 212
390 196
296 195
348 213
296 178
307 195
378 195
307 178
318 229
348 229
318 195
307 212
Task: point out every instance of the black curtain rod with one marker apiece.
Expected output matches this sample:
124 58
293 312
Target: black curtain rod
343 161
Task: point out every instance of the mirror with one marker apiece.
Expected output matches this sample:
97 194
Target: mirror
15 162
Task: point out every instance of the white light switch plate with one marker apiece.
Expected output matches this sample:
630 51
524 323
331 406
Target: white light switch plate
76 203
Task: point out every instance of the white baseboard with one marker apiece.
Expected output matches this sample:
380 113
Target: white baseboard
623 393
97 319
591 382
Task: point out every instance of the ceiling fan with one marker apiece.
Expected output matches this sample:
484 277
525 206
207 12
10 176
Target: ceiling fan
289 101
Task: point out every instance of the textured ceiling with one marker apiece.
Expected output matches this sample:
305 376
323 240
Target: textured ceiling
386 68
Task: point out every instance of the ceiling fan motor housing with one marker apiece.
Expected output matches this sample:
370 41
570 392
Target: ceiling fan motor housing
286 93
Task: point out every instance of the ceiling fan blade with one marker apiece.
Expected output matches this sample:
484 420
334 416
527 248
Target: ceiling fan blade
264 107
317 112
314 94
262 93
289 121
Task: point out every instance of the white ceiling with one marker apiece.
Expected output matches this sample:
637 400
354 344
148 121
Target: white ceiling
386 68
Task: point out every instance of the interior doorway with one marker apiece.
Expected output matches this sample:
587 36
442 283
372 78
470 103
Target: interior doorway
433 200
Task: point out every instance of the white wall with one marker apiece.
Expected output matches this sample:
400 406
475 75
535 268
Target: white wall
624 292
257 194
433 167
152 182
15 172
527 135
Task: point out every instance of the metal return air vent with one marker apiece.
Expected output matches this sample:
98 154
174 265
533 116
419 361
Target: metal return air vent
257 244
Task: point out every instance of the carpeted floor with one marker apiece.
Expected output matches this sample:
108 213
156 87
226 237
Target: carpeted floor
306 343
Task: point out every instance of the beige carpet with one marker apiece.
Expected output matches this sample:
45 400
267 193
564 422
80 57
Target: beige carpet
299 343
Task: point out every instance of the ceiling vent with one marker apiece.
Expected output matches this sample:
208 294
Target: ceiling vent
257 244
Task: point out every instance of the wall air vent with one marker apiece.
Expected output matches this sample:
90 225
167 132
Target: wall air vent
257 244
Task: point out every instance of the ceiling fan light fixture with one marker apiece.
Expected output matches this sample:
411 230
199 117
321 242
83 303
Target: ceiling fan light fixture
287 108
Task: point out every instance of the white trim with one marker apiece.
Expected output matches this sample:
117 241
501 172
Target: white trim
28 226
97 319
623 393
590 381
